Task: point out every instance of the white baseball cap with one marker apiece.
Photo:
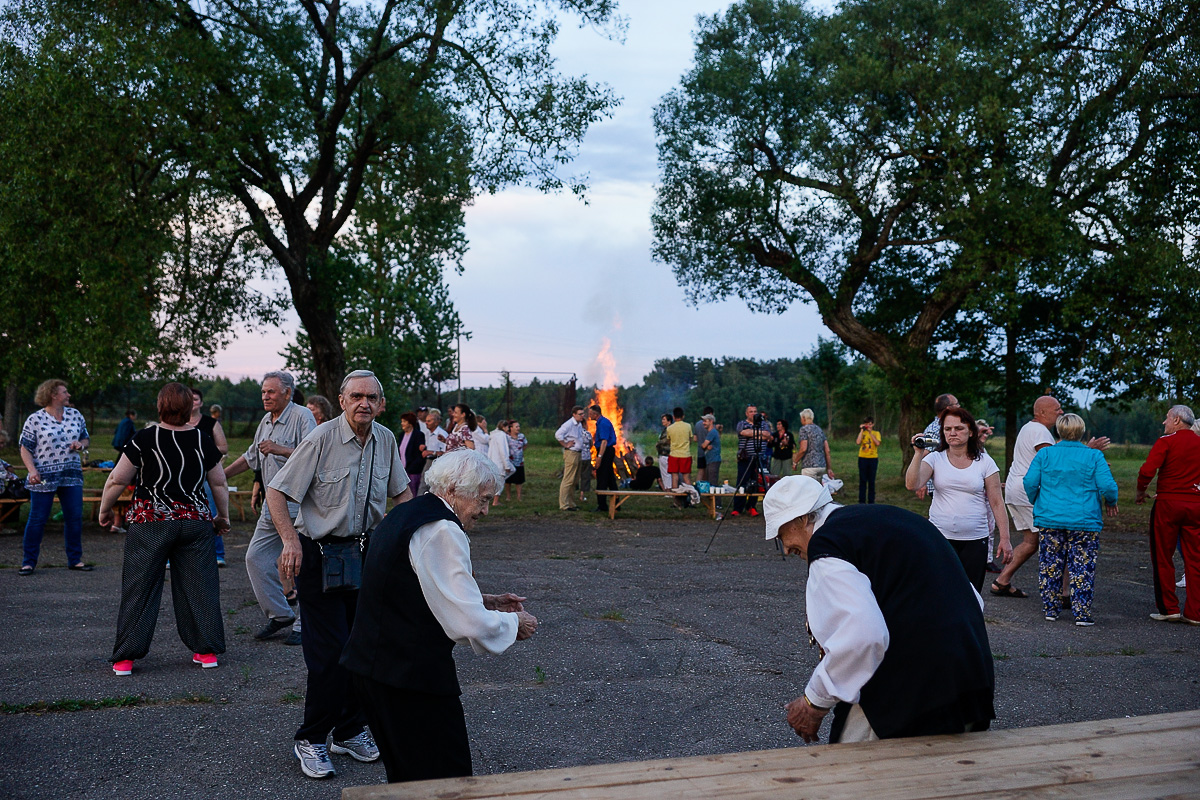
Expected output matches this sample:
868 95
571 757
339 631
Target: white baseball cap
790 498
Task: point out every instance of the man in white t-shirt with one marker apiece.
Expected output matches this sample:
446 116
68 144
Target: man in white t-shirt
1034 435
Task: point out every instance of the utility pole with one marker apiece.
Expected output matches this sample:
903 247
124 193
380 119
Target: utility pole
458 358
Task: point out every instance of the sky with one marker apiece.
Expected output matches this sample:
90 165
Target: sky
548 279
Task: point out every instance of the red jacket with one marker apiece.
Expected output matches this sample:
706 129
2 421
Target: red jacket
1176 459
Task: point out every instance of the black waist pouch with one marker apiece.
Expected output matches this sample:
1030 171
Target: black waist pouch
342 563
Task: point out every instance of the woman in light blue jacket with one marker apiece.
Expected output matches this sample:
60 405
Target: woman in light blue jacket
1066 484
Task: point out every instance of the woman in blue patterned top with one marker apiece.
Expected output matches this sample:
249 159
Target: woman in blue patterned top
50 445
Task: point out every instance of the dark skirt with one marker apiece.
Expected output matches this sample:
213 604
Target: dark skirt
518 477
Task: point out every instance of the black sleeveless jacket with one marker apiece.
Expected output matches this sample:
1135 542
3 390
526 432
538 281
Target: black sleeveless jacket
937 675
396 640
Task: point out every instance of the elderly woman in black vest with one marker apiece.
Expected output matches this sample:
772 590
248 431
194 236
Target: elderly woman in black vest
419 599
905 649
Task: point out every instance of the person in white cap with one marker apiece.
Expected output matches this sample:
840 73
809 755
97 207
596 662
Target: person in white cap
904 649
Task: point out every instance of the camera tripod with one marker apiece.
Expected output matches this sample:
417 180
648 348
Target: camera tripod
752 479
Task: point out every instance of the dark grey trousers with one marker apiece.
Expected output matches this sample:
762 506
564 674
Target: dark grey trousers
195 587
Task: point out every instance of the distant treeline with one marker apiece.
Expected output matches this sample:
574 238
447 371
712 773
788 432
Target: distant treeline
840 390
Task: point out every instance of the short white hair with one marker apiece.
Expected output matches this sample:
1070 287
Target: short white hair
465 472
285 379
360 373
807 414
1183 414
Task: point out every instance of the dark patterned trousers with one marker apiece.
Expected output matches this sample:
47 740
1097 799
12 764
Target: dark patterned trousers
195 587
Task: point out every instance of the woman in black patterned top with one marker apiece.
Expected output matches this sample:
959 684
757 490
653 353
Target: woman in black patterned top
169 520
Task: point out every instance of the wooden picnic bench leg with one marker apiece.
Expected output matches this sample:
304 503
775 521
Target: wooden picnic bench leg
710 500
614 504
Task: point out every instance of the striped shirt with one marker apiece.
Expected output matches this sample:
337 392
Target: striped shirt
171 466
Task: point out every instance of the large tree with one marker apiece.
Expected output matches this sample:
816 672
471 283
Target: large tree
893 158
303 100
116 259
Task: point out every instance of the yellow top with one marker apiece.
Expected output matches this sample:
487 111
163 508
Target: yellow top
680 434
869 447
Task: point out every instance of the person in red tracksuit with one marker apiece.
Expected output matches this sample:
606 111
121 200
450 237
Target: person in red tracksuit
1175 517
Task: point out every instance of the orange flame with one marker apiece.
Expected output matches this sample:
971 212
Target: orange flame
606 398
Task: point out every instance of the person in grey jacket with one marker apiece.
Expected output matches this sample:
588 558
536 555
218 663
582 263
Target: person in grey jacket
1066 484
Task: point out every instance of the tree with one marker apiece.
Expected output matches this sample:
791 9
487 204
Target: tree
302 101
118 261
889 160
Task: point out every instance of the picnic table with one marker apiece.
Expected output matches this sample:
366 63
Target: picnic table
708 499
1138 757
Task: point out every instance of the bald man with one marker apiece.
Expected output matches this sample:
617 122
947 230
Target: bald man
1034 435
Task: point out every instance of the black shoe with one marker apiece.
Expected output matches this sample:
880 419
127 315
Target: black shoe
994 567
293 638
81 567
273 627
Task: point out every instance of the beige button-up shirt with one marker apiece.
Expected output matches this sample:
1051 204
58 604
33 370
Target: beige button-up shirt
342 486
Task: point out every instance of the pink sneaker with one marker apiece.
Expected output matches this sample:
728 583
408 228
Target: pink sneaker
207 660
123 667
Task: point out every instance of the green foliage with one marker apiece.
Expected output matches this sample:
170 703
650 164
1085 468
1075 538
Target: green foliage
911 166
121 261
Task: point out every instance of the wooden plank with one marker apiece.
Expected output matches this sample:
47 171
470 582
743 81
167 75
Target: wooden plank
1093 759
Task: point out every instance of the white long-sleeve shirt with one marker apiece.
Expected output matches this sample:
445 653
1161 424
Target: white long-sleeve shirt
440 554
845 618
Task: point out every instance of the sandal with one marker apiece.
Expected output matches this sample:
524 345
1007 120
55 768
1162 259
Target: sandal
25 570
1006 590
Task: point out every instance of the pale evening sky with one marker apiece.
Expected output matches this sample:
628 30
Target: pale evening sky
568 275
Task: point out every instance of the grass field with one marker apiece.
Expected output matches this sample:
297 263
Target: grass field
543 459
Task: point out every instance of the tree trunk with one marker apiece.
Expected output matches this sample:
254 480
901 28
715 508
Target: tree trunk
319 318
911 423
1011 399
11 412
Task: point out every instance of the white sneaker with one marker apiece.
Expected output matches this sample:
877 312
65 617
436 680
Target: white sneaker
360 748
314 759
1182 582
1166 617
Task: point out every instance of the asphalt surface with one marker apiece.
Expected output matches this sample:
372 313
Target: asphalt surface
647 648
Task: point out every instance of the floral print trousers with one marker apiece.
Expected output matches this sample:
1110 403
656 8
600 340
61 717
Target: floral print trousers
1076 552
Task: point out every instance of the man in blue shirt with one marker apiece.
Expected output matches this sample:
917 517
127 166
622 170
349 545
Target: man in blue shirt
125 431
605 442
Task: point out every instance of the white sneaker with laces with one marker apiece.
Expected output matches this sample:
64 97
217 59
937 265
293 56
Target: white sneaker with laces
360 748
314 759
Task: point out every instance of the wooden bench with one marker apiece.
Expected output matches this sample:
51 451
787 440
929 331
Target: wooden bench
710 501
1139 757
619 496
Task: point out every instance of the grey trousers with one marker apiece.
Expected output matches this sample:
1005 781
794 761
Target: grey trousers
262 565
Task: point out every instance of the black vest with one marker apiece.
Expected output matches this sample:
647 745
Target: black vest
937 675
396 640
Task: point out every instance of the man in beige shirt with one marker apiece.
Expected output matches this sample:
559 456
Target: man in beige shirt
341 475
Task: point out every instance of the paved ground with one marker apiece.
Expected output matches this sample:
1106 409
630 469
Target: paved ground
647 648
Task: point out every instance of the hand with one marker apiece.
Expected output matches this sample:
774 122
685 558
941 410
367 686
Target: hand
1111 511
221 524
1006 551
1100 443
831 475
34 478
921 492
256 498
73 446
1141 497
920 450
289 561
526 625
266 448
805 719
508 602
106 518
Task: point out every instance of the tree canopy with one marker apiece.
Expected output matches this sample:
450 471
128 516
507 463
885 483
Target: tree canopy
897 162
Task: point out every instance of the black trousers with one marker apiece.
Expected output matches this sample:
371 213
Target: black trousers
195 587
867 468
420 736
330 705
747 477
606 477
973 554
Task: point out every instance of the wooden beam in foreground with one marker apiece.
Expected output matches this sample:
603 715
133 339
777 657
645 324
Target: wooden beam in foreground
1141 757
